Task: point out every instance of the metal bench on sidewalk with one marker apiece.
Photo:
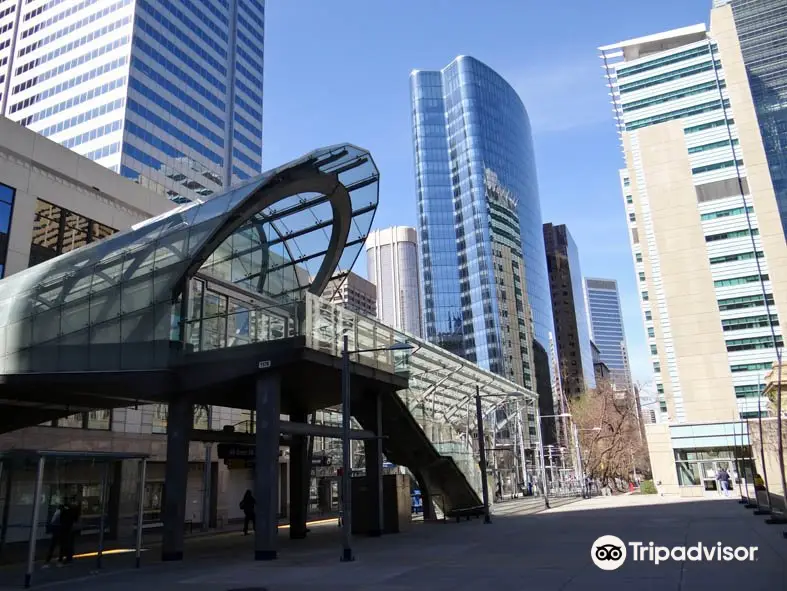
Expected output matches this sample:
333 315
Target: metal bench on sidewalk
466 512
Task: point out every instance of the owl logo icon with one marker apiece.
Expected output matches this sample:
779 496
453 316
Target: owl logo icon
608 552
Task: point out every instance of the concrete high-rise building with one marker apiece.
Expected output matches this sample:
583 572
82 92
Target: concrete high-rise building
762 34
485 283
606 329
568 308
392 265
354 293
168 94
706 234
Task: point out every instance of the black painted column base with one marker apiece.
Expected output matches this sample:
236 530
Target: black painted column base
171 556
375 533
761 512
776 520
265 555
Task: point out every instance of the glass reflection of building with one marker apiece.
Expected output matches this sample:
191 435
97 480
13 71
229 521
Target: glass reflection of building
485 285
168 94
762 32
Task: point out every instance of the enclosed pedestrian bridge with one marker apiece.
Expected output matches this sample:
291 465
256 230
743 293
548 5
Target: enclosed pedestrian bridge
217 303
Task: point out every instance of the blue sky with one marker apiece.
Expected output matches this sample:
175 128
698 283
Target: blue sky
337 71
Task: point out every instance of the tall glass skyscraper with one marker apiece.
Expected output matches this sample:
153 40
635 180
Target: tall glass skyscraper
606 328
166 93
485 283
762 34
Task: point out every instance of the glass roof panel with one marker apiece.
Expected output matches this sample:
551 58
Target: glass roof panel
255 235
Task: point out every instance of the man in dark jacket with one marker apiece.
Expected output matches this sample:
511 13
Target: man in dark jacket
724 482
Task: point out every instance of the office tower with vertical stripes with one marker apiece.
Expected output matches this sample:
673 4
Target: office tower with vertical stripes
706 232
605 318
168 94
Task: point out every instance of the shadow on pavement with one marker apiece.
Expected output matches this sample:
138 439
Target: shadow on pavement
541 551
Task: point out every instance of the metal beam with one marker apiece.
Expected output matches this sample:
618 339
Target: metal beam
286 428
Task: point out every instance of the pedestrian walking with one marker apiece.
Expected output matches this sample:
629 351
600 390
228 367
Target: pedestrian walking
723 477
247 506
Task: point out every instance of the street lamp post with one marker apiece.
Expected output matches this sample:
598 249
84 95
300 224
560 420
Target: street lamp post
541 454
482 454
347 553
769 510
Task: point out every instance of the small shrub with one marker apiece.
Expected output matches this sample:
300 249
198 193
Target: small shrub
646 487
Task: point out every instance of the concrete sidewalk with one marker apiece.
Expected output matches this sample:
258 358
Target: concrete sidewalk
544 551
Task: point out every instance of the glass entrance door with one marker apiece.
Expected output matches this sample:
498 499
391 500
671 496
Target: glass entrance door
708 472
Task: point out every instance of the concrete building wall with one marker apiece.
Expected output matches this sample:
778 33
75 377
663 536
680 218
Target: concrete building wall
662 458
679 275
39 168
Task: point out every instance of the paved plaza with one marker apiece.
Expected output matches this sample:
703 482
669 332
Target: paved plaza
523 548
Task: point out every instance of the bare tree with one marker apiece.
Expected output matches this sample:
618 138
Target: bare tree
609 434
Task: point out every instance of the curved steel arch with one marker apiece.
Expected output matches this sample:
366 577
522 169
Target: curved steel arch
265 197
121 290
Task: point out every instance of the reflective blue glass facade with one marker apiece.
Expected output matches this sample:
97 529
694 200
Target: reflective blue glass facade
6 212
168 94
485 284
606 323
762 31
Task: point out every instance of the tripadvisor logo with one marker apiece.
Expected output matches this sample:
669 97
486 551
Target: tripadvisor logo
610 552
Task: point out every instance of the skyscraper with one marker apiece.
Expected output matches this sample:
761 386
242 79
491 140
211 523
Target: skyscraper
705 231
762 34
166 93
486 290
606 327
568 308
392 265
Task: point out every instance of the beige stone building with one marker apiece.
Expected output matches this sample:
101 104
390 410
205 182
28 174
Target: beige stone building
707 240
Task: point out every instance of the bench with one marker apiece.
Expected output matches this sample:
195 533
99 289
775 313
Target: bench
466 512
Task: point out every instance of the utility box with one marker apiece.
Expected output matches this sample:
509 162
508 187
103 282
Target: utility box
397 505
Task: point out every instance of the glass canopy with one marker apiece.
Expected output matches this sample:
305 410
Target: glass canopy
116 304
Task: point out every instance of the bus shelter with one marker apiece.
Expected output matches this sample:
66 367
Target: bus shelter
109 494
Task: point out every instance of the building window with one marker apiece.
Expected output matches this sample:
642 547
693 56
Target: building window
94 419
653 350
648 315
642 276
660 388
657 367
638 256
645 296
57 231
632 217
651 331
6 212
662 406
629 199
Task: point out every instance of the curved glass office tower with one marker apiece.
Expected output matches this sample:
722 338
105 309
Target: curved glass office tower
485 284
